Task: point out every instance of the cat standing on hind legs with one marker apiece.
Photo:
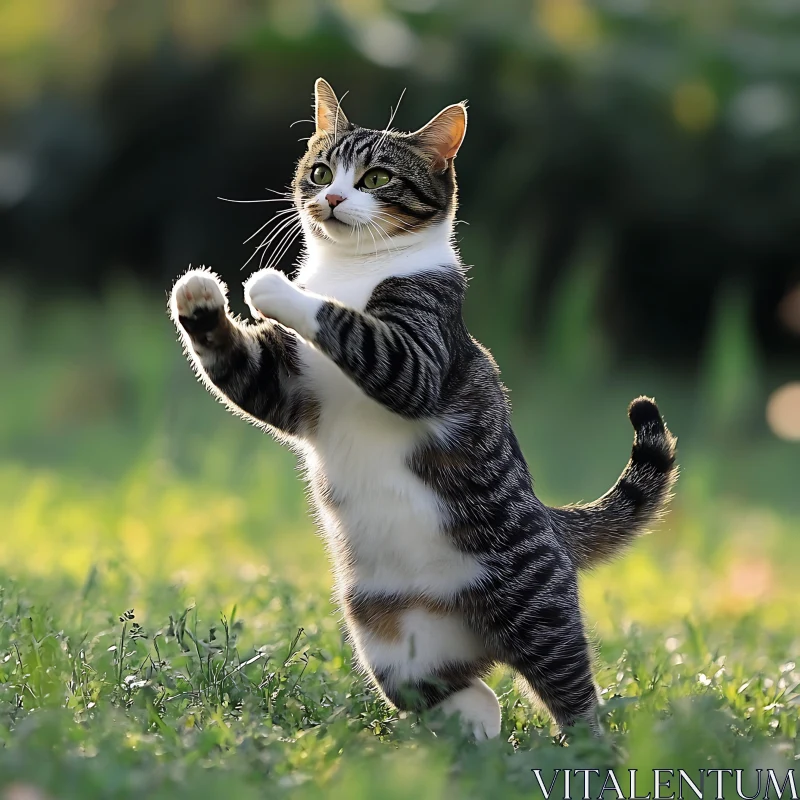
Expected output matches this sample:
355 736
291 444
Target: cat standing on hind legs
446 562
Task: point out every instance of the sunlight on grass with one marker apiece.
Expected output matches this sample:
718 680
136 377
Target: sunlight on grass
170 529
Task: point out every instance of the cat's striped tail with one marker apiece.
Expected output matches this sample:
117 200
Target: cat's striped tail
598 531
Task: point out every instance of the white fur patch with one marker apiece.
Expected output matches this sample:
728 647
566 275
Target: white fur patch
350 270
427 640
272 295
479 709
389 519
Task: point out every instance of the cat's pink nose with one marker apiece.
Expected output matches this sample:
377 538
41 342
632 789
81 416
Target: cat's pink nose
334 199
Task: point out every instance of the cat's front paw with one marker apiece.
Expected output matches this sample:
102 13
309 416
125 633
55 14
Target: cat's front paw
271 295
268 292
198 302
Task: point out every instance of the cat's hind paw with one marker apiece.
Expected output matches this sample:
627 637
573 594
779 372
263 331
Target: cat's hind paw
478 708
198 301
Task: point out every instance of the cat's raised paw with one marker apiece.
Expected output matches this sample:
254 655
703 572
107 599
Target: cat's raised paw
198 288
198 300
268 293
271 295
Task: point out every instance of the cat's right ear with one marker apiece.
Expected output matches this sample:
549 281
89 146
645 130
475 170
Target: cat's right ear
328 114
441 138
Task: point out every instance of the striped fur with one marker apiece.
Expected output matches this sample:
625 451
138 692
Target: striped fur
446 561
255 369
598 531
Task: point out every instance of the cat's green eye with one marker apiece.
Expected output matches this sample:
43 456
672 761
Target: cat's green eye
322 175
376 178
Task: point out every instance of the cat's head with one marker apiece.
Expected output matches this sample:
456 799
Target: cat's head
356 183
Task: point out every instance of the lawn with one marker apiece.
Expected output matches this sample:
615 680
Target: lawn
165 623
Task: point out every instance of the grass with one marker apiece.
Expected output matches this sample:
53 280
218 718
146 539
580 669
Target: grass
165 623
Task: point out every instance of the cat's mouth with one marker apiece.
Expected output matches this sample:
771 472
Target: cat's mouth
331 227
334 221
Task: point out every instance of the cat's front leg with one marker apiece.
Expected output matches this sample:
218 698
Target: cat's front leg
253 367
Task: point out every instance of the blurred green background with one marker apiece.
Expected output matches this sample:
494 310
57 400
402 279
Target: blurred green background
630 206
630 190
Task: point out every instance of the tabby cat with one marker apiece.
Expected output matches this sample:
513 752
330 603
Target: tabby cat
446 562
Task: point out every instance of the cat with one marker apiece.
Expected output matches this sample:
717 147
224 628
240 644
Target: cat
446 562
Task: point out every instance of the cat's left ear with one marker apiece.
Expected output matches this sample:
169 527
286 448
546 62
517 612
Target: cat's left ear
442 136
328 114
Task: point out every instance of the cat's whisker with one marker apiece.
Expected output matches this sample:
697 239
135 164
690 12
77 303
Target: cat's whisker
271 220
396 221
338 109
288 231
374 225
273 262
370 226
263 200
286 242
382 235
267 240
272 235
272 238
403 225
374 242
383 212
393 111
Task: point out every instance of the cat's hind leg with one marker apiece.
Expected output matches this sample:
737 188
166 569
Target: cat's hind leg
561 678
534 625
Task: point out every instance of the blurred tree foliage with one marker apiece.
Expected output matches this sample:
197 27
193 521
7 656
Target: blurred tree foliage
671 126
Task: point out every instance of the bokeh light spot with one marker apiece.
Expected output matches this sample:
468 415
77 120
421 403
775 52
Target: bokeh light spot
694 106
569 23
761 109
789 310
783 412
387 41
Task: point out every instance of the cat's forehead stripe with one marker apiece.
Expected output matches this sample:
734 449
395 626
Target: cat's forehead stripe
365 148
355 145
342 148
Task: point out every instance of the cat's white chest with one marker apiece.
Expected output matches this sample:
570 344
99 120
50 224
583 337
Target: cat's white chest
383 517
